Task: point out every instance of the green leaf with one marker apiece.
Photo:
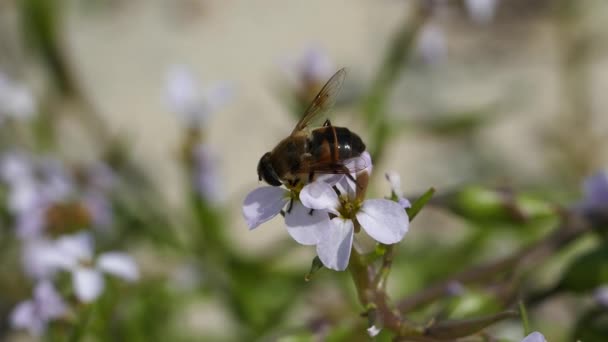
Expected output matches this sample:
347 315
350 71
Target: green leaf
465 327
473 303
314 267
587 272
420 203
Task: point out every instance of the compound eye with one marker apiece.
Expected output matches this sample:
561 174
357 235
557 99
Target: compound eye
266 171
271 178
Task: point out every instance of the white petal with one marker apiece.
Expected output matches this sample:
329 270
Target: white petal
335 244
534 337
262 204
119 264
304 227
362 163
49 302
383 220
394 180
40 258
88 284
373 331
77 246
319 195
24 317
404 203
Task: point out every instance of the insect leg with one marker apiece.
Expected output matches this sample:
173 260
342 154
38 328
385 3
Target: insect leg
311 175
290 206
310 212
327 123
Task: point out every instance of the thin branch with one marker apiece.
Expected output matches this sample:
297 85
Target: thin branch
572 228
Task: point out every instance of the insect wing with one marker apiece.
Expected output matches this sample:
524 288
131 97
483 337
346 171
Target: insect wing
351 165
324 100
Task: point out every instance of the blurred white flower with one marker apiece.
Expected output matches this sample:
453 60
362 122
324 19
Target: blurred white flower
601 295
192 103
311 68
431 44
38 185
38 257
534 337
595 189
74 253
315 65
34 314
33 186
87 272
206 178
16 100
481 11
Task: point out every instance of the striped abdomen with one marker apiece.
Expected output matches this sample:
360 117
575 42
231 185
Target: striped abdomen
333 144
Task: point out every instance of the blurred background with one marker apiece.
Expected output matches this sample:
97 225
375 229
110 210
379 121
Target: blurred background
176 101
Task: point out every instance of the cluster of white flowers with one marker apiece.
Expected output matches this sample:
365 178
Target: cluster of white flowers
327 212
35 187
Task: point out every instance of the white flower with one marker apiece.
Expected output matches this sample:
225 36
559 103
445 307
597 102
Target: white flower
206 177
264 203
74 253
431 44
34 314
534 337
395 181
384 220
481 11
601 295
313 67
16 100
189 101
40 258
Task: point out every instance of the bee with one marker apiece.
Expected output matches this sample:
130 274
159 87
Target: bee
305 153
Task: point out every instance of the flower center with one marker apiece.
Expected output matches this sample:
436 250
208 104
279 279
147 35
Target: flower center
348 207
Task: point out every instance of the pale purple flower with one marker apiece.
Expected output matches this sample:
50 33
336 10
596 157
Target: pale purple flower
264 203
206 178
534 337
15 166
313 67
192 103
431 44
39 258
384 220
34 314
601 295
481 11
100 181
74 253
595 189
16 100
395 181
33 186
